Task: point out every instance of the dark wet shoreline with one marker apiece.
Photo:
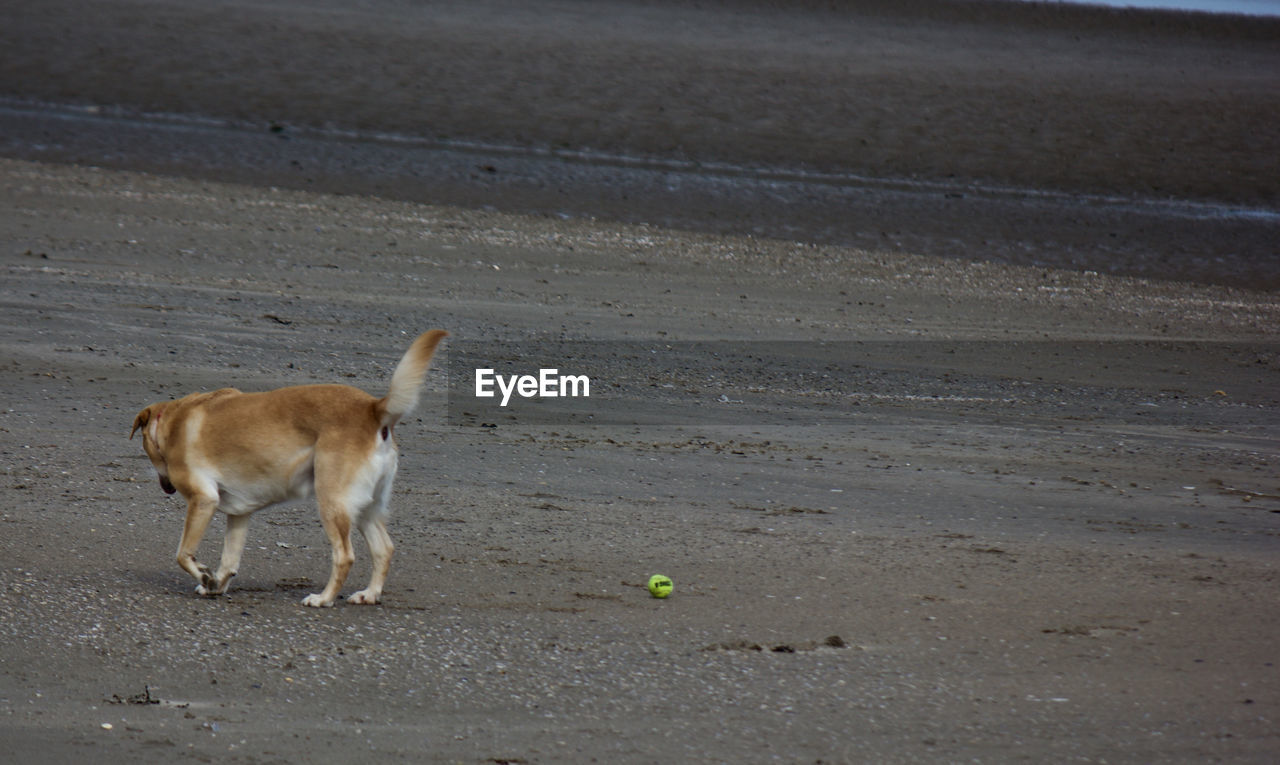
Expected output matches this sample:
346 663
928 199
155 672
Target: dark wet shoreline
1164 239
1123 142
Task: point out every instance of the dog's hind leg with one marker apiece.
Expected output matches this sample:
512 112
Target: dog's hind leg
337 527
374 528
232 548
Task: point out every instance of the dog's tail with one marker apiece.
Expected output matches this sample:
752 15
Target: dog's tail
407 379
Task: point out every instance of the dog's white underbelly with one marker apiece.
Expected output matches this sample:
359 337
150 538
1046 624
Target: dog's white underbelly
242 498
241 495
369 488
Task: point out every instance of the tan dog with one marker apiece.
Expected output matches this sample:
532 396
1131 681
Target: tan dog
240 452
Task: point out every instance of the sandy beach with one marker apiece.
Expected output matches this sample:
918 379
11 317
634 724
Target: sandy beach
955 326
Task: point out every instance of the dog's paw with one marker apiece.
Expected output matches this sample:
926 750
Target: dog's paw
364 598
211 586
315 601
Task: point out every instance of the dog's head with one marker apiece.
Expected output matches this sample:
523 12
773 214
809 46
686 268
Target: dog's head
153 441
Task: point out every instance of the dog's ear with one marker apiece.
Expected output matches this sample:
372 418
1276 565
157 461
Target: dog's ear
141 420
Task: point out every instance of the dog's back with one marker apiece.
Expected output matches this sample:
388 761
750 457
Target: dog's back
297 414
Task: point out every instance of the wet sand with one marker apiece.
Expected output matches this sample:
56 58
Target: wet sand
1040 522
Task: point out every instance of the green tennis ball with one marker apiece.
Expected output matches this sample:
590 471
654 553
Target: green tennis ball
660 586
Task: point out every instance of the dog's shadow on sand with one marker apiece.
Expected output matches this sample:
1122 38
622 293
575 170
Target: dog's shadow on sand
163 584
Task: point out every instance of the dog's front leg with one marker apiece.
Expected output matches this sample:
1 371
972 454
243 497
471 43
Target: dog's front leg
232 548
200 510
